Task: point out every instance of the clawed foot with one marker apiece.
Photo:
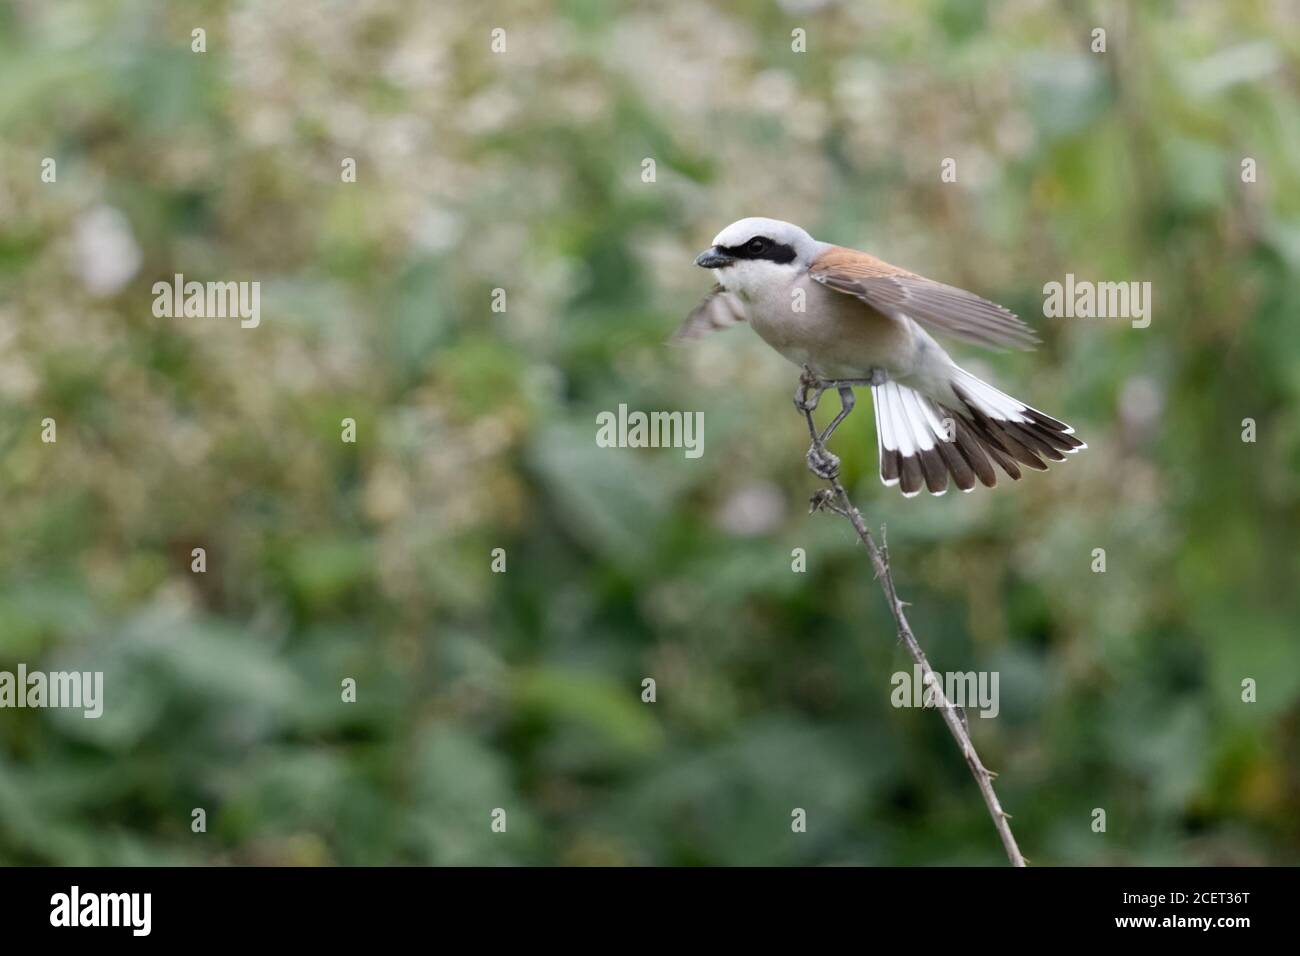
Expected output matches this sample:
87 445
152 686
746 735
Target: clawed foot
809 392
822 463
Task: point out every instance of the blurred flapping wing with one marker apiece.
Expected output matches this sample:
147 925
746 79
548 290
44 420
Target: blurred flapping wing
719 310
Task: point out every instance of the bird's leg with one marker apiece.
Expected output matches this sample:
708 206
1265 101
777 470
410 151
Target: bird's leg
809 383
820 461
847 401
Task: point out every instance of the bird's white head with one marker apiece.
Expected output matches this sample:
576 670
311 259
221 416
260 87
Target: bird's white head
756 251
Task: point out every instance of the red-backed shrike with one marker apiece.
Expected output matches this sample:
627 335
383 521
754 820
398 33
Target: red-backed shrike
852 319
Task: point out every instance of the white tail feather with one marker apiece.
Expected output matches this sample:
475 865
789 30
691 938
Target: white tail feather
999 405
924 443
991 402
908 423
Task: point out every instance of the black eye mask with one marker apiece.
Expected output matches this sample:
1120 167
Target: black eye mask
772 251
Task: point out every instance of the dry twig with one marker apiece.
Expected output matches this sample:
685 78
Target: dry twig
834 498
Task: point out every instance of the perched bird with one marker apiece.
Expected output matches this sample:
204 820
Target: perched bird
852 319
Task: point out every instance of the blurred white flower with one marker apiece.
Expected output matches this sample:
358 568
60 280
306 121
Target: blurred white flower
435 229
106 251
1140 405
489 112
752 510
773 91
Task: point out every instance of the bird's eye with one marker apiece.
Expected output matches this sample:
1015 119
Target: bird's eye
757 245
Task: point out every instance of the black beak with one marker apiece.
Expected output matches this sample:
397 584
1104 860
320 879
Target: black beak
713 259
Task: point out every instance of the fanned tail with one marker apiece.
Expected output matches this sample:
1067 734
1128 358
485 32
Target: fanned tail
925 444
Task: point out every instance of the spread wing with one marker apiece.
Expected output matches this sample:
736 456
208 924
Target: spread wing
719 310
941 308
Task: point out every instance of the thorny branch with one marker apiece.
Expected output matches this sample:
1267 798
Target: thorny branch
834 498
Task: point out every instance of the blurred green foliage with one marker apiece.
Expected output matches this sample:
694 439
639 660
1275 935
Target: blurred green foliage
521 690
